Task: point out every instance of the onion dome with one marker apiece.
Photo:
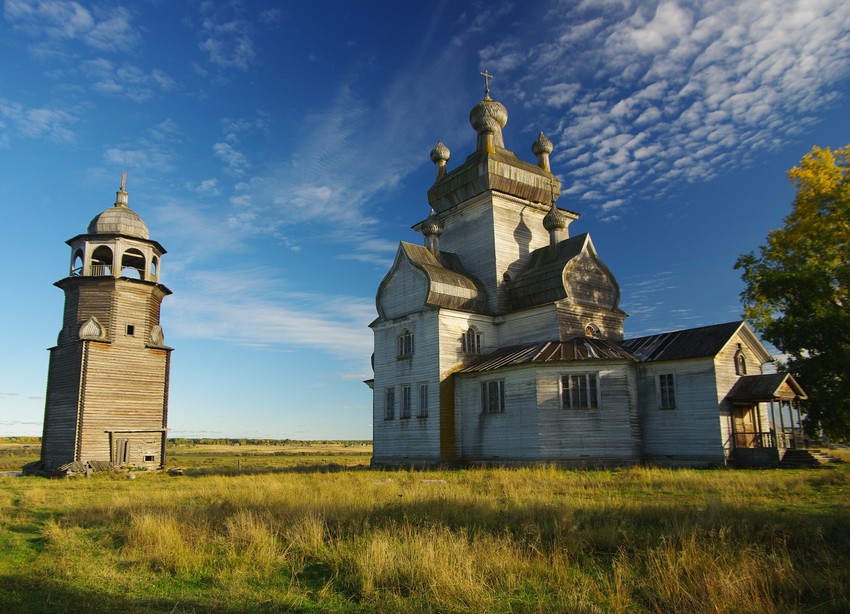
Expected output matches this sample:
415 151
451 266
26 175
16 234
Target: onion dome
440 153
432 226
488 116
555 219
119 219
541 148
439 156
541 145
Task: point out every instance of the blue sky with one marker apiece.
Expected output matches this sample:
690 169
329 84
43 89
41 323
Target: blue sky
279 152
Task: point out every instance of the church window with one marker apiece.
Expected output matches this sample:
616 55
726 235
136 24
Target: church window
493 397
591 330
131 329
423 400
666 391
579 391
133 264
740 362
389 404
77 264
405 344
406 401
471 342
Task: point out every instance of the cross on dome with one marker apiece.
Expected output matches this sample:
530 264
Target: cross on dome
487 76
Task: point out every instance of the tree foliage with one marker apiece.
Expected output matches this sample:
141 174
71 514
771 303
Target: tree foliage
797 287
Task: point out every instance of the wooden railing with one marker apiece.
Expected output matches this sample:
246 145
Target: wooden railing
754 439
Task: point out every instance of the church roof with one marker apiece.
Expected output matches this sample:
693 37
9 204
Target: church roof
575 349
542 280
691 343
448 285
760 388
119 219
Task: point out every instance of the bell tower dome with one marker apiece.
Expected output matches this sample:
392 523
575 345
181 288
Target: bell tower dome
107 384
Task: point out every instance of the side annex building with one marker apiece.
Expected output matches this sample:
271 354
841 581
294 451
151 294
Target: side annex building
500 341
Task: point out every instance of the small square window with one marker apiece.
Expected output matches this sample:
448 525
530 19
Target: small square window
131 330
149 458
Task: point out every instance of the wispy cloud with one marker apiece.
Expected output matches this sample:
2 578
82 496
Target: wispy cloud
237 307
104 28
642 94
34 122
227 33
125 80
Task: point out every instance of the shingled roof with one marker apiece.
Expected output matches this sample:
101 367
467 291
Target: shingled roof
571 350
691 343
448 285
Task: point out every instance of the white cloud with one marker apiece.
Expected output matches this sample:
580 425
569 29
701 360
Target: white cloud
36 122
235 160
718 80
99 27
237 307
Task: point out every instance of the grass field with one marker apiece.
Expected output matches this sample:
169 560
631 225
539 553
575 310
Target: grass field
316 530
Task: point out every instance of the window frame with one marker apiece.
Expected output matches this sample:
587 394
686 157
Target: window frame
406 401
591 390
470 342
666 390
389 403
405 344
486 396
423 401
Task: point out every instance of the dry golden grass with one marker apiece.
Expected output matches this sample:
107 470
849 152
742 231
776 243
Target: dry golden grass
484 540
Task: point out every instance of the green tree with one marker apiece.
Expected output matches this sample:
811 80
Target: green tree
797 288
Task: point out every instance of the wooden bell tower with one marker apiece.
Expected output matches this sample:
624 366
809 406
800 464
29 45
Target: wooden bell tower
107 383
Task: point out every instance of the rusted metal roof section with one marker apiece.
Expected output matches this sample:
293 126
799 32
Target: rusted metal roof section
691 343
763 388
448 285
571 350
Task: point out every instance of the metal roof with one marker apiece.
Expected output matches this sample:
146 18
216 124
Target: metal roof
448 284
691 343
571 350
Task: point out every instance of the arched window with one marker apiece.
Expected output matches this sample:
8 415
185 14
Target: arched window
77 263
405 344
101 262
591 330
155 268
740 362
133 264
471 342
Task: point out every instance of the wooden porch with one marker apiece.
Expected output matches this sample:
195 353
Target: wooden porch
754 443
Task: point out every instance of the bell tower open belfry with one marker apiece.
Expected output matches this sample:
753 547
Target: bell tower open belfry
107 383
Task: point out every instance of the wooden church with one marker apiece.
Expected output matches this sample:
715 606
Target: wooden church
501 341
107 384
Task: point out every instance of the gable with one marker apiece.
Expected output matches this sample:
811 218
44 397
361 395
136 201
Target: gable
588 283
404 289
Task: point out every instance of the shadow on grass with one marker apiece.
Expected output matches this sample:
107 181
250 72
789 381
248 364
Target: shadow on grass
30 594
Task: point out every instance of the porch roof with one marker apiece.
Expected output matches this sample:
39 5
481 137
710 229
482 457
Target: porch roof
761 388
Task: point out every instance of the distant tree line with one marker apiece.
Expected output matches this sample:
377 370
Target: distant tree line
247 441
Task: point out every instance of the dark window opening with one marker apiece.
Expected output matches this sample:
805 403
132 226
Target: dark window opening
131 329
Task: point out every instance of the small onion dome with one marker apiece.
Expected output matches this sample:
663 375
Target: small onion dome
541 145
432 227
440 153
488 116
555 219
